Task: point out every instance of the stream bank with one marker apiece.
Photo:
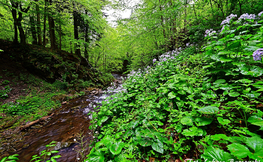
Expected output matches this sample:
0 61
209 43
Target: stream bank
64 125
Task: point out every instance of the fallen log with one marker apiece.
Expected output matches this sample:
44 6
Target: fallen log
34 122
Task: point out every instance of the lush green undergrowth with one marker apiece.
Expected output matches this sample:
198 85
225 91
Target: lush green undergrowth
195 105
200 106
41 97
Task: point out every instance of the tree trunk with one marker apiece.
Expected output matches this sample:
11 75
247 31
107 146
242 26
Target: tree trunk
52 35
20 28
38 26
33 29
76 33
45 20
60 36
14 14
162 20
86 40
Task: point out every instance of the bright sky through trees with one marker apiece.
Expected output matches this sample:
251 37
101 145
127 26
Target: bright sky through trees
115 14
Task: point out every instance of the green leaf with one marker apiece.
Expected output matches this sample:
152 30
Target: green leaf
193 131
158 146
215 154
215 57
187 120
233 94
225 59
255 143
220 81
116 148
145 142
223 121
171 95
217 137
235 45
121 158
56 156
238 150
96 156
3 160
202 121
224 52
209 110
255 120
103 119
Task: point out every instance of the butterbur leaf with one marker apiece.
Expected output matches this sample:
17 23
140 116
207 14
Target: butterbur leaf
187 120
233 94
209 110
258 155
225 59
238 150
144 142
245 81
215 154
255 120
224 52
215 57
158 146
193 131
171 95
116 148
103 119
255 143
202 121
121 158
97 156
223 121
220 81
217 137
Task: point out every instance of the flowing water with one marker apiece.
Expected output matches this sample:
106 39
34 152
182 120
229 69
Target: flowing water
65 126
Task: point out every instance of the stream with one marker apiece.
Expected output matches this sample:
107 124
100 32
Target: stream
64 127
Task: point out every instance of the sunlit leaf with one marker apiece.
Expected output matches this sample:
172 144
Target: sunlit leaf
238 150
209 110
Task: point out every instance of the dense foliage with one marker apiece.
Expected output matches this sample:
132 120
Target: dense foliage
194 91
190 105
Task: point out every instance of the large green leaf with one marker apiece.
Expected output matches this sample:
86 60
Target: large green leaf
202 121
96 156
233 94
187 120
238 150
116 148
171 95
215 154
145 142
209 110
223 121
158 146
121 158
225 59
220 81
103 119
193 131
255 143
217 137
255 120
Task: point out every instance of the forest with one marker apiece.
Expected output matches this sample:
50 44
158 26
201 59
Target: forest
183 78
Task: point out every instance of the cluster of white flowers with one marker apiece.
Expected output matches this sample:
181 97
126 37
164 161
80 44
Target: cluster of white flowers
228 19
260 14
247 16
171 55
209 32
